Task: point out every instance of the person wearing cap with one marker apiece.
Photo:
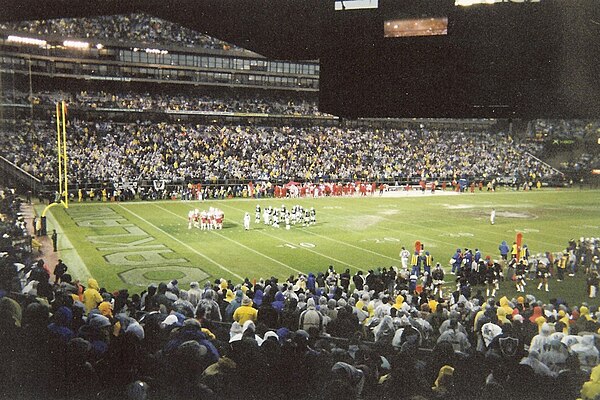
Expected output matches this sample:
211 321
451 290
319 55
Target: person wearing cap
245 312
59 270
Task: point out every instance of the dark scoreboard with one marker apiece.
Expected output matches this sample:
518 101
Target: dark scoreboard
435 59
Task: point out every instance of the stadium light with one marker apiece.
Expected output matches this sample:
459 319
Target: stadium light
26 40
156 51
466 3
75 44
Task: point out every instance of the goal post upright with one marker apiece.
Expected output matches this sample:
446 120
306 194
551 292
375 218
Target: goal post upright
65 192
61 152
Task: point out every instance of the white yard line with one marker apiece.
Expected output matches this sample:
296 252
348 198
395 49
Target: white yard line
238 243
183 243
304 248
68 253
307 249
338 241
479 238
351 245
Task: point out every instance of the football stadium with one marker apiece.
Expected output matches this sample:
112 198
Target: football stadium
359 199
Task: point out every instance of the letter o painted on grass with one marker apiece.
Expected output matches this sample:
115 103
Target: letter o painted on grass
144 276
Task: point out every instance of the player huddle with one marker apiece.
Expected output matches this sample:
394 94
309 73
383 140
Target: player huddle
206 220
274 216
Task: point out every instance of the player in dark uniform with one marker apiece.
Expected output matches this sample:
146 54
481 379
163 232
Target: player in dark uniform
306 221
437 275
543 274
520 273
257 214
491 279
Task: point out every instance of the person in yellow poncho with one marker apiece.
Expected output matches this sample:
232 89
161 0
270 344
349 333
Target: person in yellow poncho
591 389
398 305
106 309
91 295
504 305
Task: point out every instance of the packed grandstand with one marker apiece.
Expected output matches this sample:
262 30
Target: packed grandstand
317 335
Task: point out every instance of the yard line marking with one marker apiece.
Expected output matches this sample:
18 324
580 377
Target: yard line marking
312 251
238 243
78 268
350 245
492 233
336 241
405 233
304 248
424 226
477 237
183 244
529 240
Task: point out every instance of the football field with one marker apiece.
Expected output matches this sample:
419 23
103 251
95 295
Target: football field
129 245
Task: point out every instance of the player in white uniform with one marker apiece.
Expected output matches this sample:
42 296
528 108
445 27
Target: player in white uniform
190 219
275 218
493 216
287 220
204 219
219 215
266 216
404 255
313 216
247 221
196 218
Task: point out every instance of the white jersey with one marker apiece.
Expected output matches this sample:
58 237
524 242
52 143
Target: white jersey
404 256
247 221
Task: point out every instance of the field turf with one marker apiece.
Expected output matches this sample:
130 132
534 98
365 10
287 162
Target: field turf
129 245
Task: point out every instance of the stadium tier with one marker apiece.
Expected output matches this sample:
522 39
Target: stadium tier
123 28
184 152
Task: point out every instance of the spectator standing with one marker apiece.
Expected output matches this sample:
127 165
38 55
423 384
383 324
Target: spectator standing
54 240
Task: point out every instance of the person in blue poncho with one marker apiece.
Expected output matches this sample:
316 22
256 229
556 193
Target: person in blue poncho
456 261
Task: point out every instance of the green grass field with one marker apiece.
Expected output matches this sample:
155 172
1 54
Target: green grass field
129 245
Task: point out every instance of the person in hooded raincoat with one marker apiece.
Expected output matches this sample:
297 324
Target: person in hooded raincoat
91 296
540 340
591 389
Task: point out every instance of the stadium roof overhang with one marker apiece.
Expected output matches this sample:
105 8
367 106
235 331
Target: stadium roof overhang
514 59
279 29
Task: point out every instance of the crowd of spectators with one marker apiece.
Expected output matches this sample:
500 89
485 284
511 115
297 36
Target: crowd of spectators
132 28
313 336
543 128
115 152
165 102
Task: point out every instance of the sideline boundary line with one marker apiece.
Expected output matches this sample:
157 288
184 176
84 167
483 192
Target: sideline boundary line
79 267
